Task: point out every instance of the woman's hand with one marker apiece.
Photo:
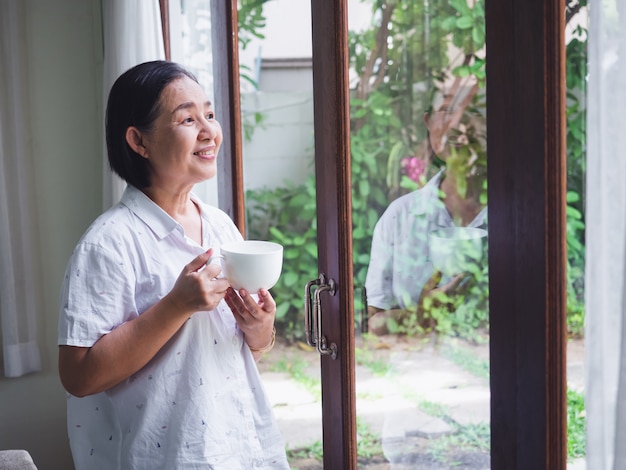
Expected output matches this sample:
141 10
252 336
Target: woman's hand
256 319
197 287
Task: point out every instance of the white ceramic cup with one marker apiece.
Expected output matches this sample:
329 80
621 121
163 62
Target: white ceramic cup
251 264
455 250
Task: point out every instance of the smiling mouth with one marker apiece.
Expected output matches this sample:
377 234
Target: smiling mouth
205 153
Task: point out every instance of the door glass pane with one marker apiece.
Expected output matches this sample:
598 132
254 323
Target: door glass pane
418 125
278 153
576 74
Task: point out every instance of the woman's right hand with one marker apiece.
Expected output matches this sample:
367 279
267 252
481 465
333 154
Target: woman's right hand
197 287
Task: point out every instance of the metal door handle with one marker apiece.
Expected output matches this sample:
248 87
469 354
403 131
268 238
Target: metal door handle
313 315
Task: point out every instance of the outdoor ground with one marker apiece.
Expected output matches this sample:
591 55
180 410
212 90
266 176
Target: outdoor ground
421 404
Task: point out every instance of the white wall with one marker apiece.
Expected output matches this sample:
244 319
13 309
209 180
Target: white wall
282 147
65 62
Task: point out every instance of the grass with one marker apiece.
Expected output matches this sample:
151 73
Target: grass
367 358
471 437
576 425
368 443
314 451
296 368
467 361
433 409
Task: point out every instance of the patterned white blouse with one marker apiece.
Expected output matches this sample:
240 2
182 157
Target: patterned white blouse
200 403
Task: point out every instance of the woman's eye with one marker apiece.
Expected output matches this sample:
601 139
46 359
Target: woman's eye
210 116
188 120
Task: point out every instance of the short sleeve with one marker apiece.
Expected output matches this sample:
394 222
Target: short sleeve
378 282
97 295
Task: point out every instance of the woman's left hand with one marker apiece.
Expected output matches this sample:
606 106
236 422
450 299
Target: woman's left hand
256 319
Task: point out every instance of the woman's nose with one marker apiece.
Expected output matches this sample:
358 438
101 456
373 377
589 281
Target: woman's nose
209 130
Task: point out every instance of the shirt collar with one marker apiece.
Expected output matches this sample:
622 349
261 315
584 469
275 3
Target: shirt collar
149 212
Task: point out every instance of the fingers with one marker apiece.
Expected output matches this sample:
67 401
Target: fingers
199 261
244 305
233 301
266 301
212 271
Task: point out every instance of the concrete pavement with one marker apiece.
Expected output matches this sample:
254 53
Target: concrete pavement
408 393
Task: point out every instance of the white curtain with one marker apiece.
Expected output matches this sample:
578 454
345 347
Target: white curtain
20 287
605 334
132 35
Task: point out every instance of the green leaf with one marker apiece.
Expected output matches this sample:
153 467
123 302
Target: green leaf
465 22
449 23
572 196
364 187
311 249
281 310
478 35
290 279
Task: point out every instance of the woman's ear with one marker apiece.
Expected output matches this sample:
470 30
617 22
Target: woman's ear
134 139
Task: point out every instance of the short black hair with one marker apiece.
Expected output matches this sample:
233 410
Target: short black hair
134 101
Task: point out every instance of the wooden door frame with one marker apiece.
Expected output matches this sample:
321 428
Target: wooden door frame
331 105
527 247
527 244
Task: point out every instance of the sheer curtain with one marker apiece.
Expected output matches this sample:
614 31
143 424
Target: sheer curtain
605 347
132 34
19 281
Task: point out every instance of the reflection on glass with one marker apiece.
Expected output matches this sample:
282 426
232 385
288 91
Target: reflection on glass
420 232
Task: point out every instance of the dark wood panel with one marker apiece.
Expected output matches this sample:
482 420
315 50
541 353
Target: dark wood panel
227 104
332 170
164 6
526 164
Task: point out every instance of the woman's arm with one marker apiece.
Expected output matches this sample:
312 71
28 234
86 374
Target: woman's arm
122 352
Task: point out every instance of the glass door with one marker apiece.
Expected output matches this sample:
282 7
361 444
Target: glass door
419 172
380 367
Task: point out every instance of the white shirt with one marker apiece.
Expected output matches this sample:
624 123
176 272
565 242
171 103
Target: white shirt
199 403
399 262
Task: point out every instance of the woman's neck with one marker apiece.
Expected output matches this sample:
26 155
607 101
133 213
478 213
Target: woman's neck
180 207
173 201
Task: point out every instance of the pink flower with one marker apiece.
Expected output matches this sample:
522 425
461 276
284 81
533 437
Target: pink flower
414 168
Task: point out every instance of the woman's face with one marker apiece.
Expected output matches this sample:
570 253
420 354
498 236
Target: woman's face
183 144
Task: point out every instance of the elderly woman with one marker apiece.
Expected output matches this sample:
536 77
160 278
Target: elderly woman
158 353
